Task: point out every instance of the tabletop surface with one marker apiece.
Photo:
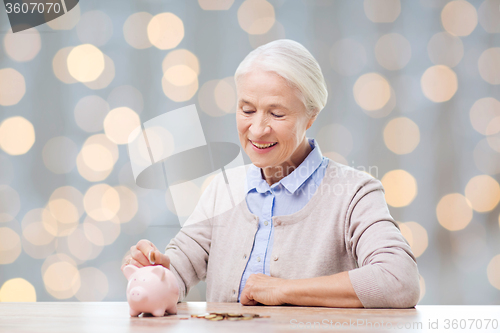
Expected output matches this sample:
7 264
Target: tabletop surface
114 317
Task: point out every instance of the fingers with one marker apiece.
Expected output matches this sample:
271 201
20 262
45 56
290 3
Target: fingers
144 250
136 263
251 294
250 303
139 253
245 299
161 259
145 246
130 261
139 257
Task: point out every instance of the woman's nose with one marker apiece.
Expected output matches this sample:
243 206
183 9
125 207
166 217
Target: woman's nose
259 127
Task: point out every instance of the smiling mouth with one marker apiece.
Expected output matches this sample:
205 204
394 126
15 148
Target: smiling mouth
260 146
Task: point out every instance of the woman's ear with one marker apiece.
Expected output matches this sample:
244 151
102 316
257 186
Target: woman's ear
311 121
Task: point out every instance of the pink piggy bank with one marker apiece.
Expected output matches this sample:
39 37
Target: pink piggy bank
151 289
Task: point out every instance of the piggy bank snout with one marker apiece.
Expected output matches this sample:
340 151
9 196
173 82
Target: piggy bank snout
138 294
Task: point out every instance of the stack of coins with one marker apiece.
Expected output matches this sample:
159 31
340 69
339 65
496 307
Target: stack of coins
216 316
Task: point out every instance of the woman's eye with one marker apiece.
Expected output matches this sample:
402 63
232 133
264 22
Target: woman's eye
277 115
247 111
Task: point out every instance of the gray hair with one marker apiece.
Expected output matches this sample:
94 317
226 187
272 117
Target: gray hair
293 62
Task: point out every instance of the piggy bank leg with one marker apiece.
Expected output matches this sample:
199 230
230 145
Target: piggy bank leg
158 313
172 309
134 313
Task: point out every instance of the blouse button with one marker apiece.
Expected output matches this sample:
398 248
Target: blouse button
244 256
258 259
275 258
266 223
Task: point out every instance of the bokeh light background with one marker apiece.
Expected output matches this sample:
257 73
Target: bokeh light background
414 90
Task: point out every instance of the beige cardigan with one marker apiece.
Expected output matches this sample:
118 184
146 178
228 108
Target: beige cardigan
346 226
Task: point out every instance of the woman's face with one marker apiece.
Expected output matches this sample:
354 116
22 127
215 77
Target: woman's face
271 120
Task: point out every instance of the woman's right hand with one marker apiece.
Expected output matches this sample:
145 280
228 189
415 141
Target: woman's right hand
139 255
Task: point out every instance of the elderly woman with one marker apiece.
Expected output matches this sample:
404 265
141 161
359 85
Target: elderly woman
310 231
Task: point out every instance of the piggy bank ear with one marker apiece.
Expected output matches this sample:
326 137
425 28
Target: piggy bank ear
159 270
129 270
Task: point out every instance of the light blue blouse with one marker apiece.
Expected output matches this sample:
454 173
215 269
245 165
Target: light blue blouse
285 197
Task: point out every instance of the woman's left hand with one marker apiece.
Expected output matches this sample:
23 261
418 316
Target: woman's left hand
264 289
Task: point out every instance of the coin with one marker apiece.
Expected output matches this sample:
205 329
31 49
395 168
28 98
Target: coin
151 257
252 315
216 316
220 314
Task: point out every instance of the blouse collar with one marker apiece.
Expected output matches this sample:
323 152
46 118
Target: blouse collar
291 182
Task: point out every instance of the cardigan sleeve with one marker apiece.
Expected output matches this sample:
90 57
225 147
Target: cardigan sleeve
188 252
387 274
189 249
